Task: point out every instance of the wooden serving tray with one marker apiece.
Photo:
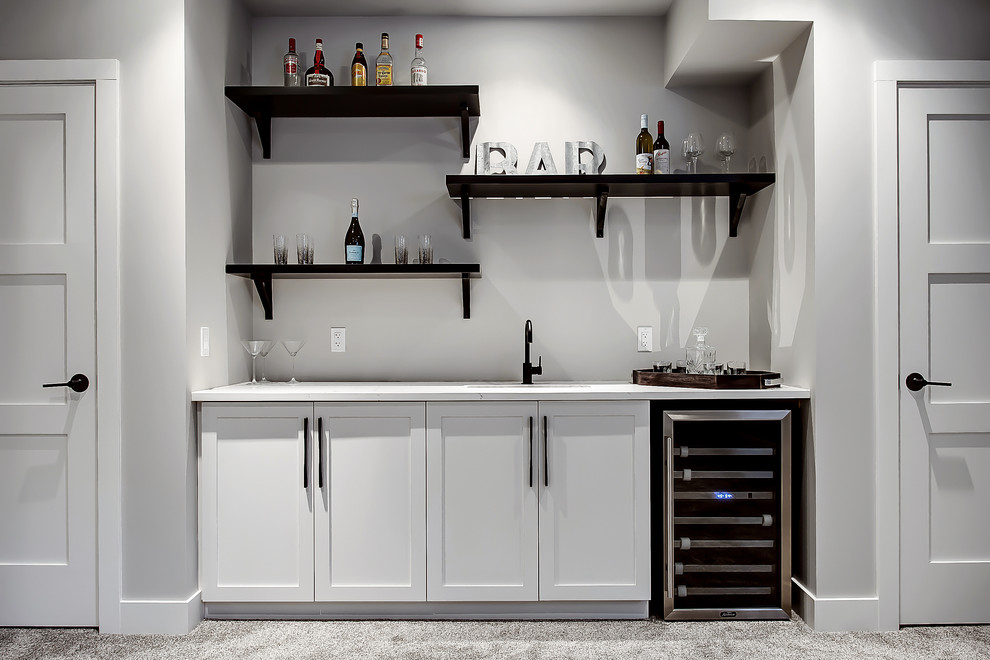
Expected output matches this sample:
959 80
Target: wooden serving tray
750 380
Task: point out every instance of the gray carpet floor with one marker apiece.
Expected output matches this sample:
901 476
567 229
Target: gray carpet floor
464 640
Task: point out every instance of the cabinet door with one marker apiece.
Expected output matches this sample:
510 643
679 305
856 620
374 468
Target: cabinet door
371 502
595 501
256 516
482 529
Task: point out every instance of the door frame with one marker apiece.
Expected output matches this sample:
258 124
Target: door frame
889 77
104 75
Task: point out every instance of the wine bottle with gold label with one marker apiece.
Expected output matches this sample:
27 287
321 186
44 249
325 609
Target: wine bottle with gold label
359 67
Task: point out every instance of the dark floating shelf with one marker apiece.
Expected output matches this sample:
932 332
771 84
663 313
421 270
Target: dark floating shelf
737 187
263 274
264 103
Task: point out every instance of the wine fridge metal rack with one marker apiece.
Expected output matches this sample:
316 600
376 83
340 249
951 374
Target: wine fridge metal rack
726 493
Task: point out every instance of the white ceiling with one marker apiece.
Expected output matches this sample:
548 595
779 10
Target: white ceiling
457 7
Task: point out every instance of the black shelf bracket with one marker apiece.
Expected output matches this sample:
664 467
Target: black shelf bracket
601 194
264 122
465 213
263 282
466 294
737 199
465 133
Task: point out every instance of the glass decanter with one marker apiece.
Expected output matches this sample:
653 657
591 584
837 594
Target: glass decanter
701 354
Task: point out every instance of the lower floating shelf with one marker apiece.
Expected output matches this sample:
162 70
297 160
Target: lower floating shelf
263 274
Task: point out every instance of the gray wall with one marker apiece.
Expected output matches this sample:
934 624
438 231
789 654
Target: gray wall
663 262
834 226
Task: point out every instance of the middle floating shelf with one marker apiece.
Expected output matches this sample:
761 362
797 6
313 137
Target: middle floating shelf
737 187
263 274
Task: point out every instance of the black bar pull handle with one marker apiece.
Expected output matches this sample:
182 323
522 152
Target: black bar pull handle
78 383
916 381
306 453
546 455
319 463
532 422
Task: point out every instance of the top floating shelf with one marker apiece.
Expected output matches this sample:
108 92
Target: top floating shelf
737 187
264 103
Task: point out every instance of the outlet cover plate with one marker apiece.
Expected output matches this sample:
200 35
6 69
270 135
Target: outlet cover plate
644 338
337 340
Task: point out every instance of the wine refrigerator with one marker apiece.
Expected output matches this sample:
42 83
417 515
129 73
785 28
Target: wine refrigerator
726 514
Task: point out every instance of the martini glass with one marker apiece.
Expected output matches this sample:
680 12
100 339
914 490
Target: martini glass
265 350
293 346
253 347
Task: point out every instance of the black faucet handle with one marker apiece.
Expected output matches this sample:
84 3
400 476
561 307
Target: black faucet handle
538 369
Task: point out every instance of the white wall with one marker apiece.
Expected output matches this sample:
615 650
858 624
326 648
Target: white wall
147 39
664 262
848 38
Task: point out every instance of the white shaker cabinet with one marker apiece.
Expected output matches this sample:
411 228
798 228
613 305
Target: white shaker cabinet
256 514
371 502
482 502
547 501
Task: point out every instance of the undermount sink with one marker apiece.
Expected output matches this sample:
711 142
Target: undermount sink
534 385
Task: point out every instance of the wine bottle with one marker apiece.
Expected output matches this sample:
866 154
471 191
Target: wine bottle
661 152
383 65
359 67
290 67
319 75
644 148
354 238
417 70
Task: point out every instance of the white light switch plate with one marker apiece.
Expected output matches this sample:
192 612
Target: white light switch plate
204 342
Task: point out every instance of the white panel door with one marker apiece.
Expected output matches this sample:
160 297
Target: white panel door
371 502
944 225
47 331
595 501
482 523
256 502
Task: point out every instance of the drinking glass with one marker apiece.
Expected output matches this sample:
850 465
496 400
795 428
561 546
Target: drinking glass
253 347
293 346
694 146
725 146
663 366
401 253
265 350
304 249
735 366
281 250
425 249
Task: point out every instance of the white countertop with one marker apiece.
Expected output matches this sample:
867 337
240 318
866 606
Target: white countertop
477 391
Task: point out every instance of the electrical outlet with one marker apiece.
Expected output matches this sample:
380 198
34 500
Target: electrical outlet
337 340
644 341
204 342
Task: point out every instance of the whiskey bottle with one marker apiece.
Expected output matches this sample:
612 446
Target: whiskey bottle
290 66
383 65
359 67
354 238
417 70
319 75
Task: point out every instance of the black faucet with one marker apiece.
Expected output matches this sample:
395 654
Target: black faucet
528 369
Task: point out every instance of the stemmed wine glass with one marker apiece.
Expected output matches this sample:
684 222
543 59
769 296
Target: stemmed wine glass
694 146
265 350
253 347
293 346
725 146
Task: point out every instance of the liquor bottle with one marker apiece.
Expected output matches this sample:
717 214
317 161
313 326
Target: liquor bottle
644 148
359 67
319 75
417 70
354 238
383 65
661 152
290 66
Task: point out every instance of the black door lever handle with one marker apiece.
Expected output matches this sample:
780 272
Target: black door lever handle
916 381
78 383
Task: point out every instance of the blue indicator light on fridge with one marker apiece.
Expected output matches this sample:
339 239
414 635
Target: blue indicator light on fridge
722 495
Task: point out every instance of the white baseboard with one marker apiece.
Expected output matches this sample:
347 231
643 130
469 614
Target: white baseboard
161 617
535 610
836 614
